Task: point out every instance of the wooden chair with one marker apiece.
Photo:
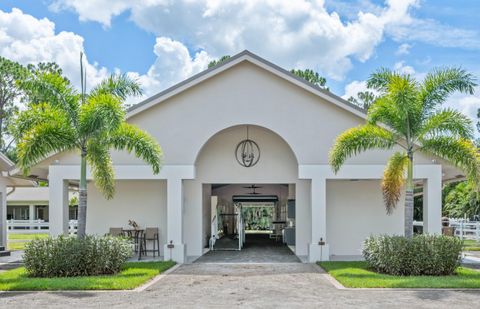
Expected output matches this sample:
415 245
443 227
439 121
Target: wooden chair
151 234
116 231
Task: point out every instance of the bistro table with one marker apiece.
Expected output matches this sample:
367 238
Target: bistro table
137 236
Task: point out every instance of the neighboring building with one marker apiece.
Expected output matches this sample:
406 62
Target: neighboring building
7 183
199 123
32 204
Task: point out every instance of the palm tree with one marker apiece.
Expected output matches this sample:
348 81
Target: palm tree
90 123
407 113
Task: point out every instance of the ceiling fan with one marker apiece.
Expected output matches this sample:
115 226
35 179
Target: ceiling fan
253 187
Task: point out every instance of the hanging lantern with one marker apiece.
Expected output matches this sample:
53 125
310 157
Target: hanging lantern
247 152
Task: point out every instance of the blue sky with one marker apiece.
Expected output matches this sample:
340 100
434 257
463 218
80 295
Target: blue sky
163 42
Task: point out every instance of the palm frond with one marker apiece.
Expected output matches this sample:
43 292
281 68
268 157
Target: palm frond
440 83
394 179
54 89
101 113
119 85
35 115
460 152
98 157
131 138
384 111
447 122
43 139
358 139
380 79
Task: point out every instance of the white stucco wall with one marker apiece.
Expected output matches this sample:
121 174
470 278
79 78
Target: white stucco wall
355 210
143 201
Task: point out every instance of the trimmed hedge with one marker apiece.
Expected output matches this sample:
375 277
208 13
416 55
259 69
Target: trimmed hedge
434 255
70 257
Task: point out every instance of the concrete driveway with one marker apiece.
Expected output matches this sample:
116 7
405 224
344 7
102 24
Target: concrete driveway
282 285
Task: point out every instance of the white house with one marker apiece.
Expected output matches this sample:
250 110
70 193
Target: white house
199 123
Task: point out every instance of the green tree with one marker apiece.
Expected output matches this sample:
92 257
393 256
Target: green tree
415 122
364 99
218 61
311 76
10 74
463 200
91 124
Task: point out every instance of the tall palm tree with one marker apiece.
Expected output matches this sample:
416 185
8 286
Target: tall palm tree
408 114
91 124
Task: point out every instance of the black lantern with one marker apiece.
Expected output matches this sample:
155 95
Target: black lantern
247 152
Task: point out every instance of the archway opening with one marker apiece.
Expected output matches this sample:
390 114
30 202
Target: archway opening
248 211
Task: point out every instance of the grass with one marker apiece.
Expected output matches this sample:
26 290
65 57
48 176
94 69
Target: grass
471 245
131 276
357 275
17 241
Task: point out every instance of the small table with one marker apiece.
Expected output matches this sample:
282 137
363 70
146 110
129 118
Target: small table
137 236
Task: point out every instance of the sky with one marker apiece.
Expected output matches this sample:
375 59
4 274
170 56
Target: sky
162 42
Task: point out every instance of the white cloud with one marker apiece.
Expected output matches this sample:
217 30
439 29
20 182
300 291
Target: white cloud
26 39
353 88
296 34
467 104
401 67
403 49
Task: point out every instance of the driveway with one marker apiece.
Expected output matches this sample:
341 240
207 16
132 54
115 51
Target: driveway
280 285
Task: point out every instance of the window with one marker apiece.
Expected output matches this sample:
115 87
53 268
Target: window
18 213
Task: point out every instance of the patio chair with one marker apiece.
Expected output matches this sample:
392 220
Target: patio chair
116 231
152 235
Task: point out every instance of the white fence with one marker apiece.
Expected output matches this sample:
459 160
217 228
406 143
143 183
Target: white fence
466 229
36 226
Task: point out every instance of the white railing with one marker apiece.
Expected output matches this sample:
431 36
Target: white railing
27 226
36 226
466 229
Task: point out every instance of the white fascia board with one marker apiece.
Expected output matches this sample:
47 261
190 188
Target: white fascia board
324 171
124 172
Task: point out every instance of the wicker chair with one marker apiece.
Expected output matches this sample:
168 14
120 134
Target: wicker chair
151 234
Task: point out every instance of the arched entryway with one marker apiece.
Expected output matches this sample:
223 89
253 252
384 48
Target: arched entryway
230 191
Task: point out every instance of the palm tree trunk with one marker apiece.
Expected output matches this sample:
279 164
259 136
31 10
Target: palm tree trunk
409 198
82 200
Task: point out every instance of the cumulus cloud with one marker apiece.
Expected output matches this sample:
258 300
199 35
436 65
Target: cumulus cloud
353 88
26 39
301 34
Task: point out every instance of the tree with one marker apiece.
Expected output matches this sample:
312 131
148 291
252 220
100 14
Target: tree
311 76
10 74
408 114
462 201
218 61
364 99
90 123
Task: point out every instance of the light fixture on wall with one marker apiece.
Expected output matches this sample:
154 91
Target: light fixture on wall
247 152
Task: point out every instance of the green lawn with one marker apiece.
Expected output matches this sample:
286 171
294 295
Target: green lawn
471 245
132 275
356 275
17 241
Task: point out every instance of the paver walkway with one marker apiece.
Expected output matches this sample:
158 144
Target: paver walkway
282 285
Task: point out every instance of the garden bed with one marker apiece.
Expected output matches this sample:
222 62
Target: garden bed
132 275
357 275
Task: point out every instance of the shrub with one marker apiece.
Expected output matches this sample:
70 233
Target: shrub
69 256
421 255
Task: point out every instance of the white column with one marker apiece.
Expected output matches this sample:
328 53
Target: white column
175 221
3 213
432 202
318 251
31 212
58 202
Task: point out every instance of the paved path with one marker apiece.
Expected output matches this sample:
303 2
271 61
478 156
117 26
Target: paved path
282 285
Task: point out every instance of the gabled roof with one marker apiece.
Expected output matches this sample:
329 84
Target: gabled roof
5 163
245 56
